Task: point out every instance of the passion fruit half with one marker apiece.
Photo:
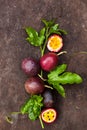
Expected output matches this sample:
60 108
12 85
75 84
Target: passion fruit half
55 43
49 115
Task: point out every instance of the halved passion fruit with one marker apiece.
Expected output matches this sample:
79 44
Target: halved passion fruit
55 43
49 115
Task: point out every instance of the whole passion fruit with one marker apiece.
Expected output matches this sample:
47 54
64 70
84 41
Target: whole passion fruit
49 61
30 66
34 85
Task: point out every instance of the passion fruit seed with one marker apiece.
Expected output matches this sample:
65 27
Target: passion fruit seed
49 115
55 43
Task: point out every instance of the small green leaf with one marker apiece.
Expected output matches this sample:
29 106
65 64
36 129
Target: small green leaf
48 23
54 29
31 32
42 32
60 89
24 108
62 31
34 38
69 78
34 112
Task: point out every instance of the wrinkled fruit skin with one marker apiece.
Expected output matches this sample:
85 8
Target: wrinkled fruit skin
34 85
49 61
30 67
48 98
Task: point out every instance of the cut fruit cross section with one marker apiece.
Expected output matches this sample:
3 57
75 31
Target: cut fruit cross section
55 43
49 115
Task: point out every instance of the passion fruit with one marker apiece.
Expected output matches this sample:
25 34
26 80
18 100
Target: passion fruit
55 43
49 115
30 66
34 85
48 98
49 61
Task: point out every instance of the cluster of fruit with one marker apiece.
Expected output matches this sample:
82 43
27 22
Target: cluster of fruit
40 103
35 84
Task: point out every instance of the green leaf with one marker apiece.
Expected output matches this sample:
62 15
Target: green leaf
48 23
42 32
35 38
32 107
35 108
57 71
31 32
54 29
59 77
24 108
69 78
62 31
34 112
60 89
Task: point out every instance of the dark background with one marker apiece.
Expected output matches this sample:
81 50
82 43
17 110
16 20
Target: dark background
14 16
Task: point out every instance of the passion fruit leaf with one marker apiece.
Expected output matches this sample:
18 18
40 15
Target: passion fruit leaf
32 107
34 112
35 38
35 108
60 89
57 71
58 77
48 23
42 31
62 31
25 107
54 29
69 78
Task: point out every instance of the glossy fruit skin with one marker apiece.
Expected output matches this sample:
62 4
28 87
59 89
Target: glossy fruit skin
47 110
30 66
49 61
58 47
48 98
34 85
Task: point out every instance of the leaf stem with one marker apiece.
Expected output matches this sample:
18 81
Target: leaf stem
46 37
9 119
42 77
43 47
62 52
80 52
42 125
47 86
16 113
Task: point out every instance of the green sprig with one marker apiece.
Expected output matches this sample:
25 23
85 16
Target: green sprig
59 77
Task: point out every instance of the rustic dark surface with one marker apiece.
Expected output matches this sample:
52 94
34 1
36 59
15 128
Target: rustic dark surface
14 16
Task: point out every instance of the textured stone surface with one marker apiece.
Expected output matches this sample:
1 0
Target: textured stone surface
14 16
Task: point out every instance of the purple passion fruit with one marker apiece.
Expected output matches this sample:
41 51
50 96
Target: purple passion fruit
34 85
